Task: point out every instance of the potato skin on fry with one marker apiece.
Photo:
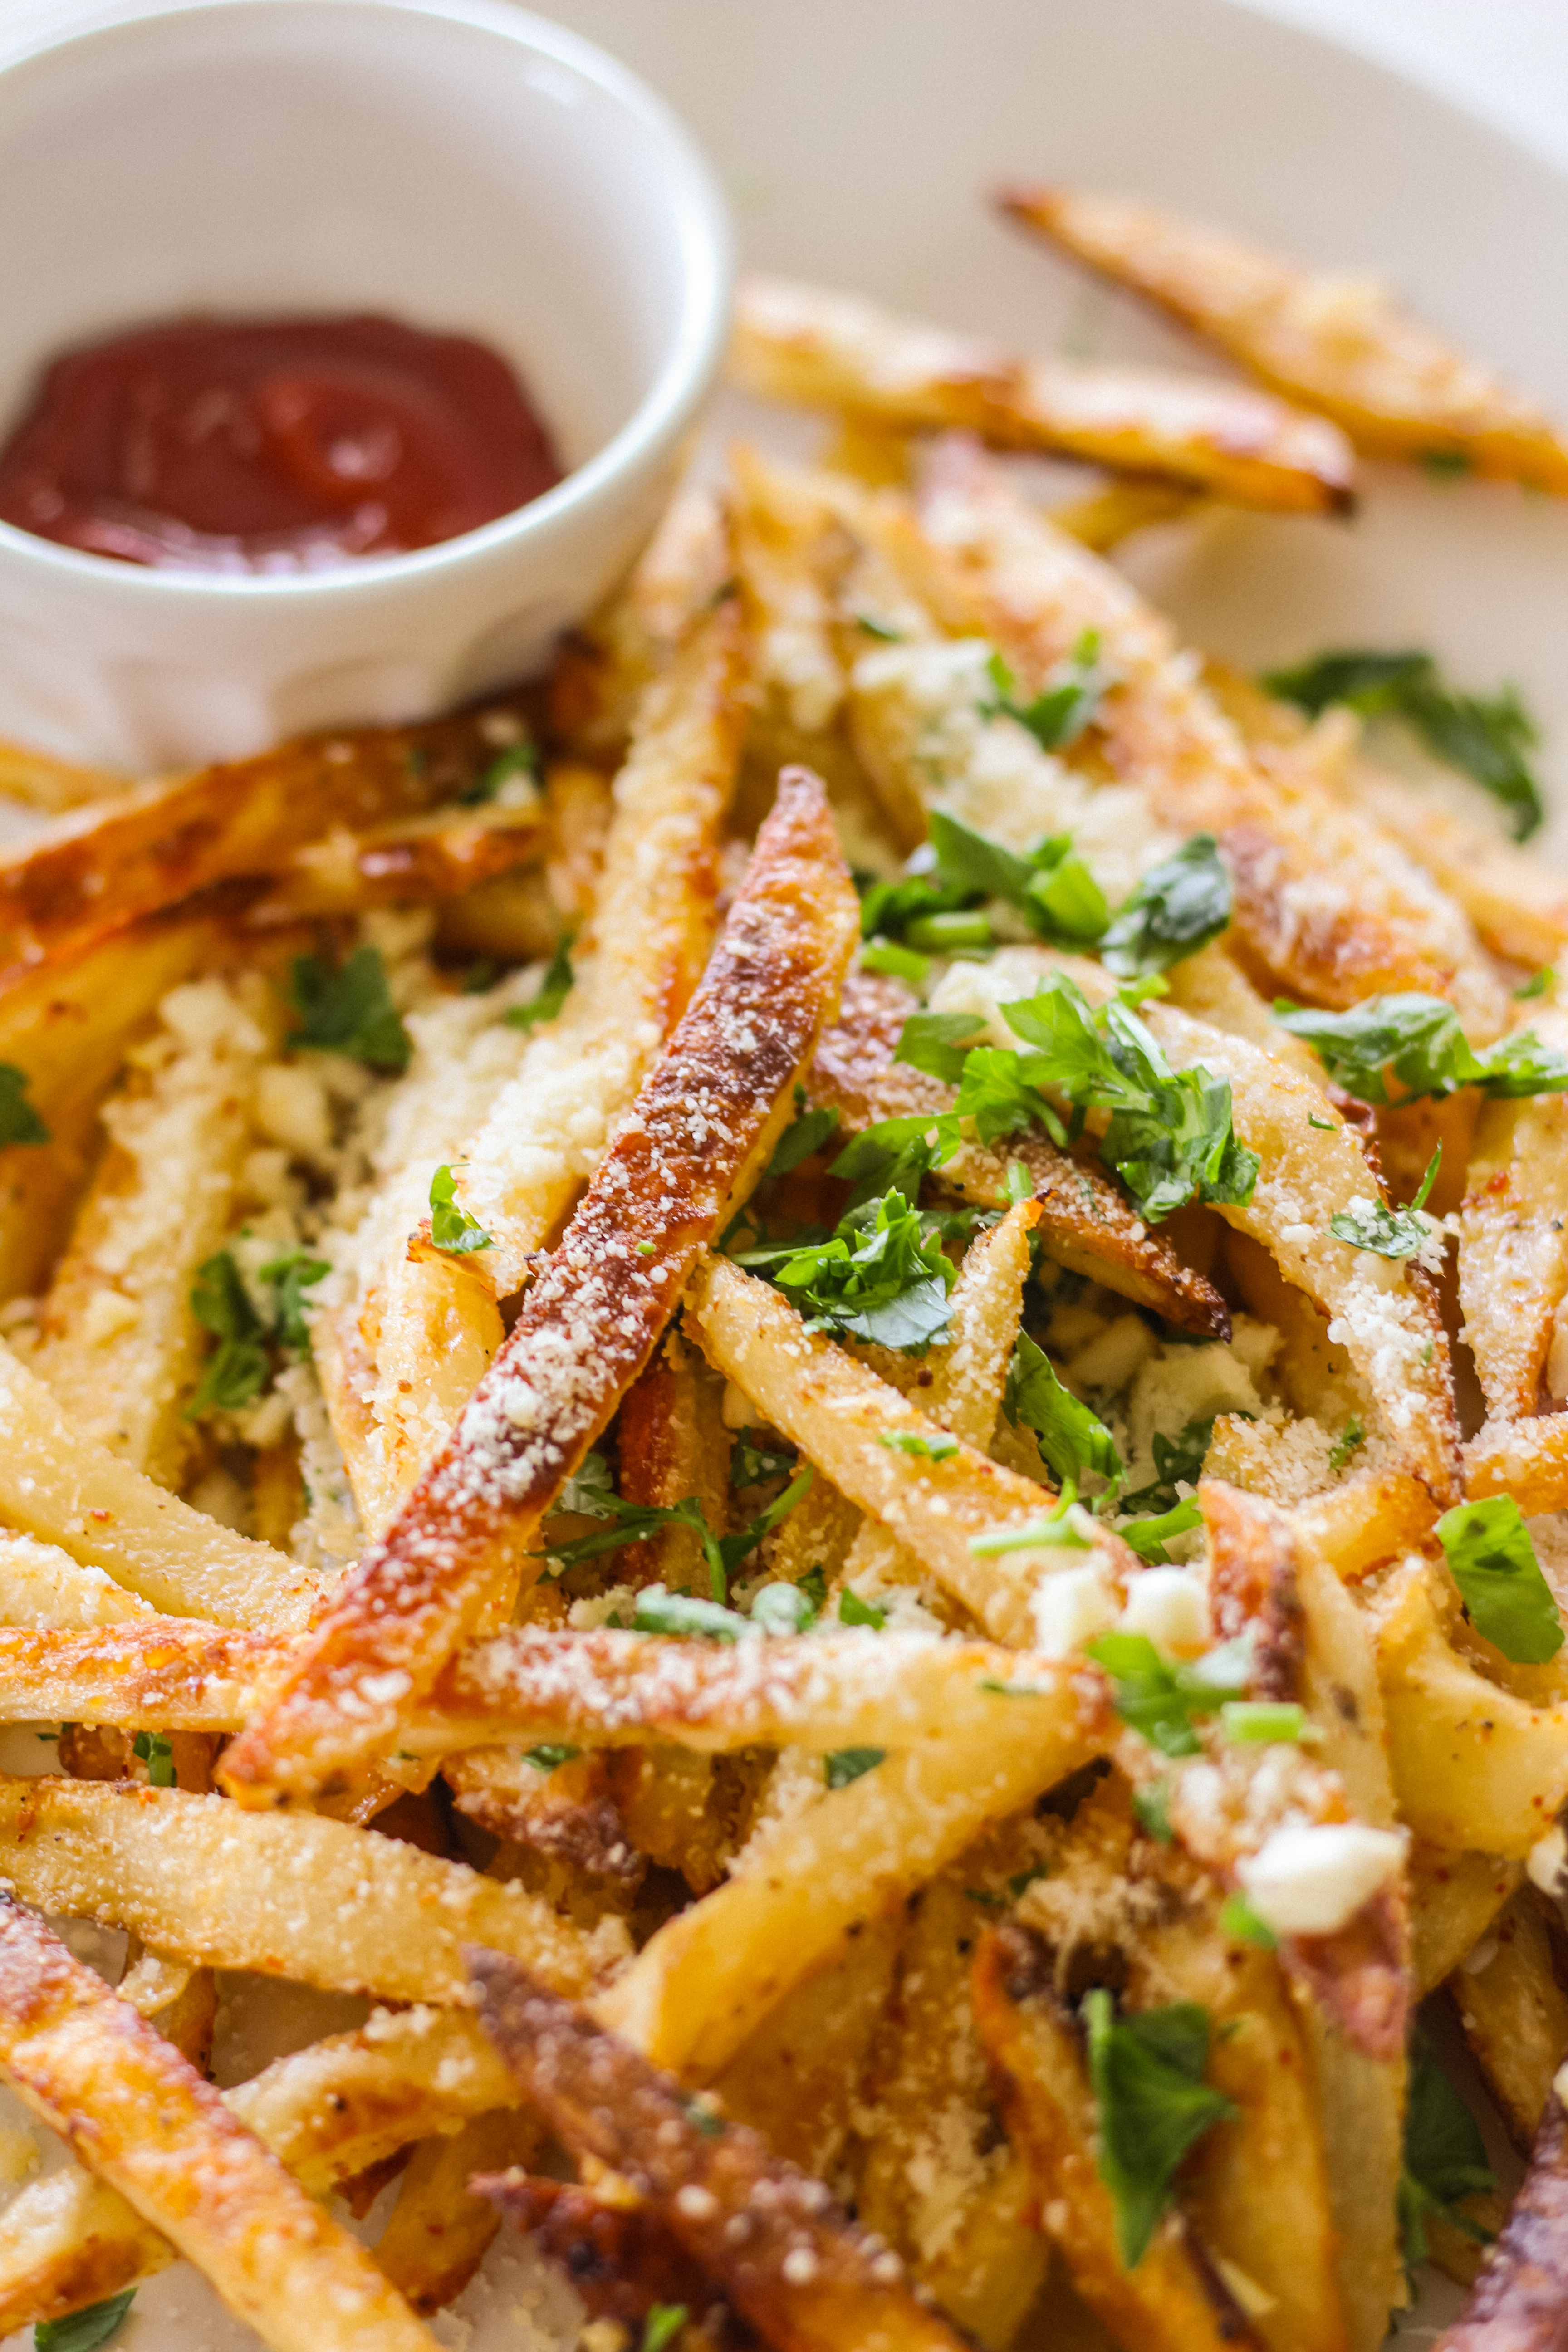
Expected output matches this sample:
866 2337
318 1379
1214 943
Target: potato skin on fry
1519 2302
1338 344
703 1127
805 2277
90 2067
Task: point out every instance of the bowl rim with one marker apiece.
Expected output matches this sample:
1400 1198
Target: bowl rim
693 352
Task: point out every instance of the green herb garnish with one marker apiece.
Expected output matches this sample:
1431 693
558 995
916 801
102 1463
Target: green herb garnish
19 1122
239 1367
152 1749
83 2331
636 1522
1445 2156
1147 2071
847 1764
1177 909
1161 1700
883 1276
1073 1441
1060 713
452 1229
1418 1042
551 992
349 1011
806 1133
1389 1233
548 1756
853 1611
1493 1562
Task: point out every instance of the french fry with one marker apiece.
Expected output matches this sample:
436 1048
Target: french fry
804 2277
1105 518
1383 1314
805 344
982 559
1517 2302
1526 1459
838 1413
1476 1769
1514 2012
160 843
1174 2300
565 1809
705 1126
192 1876
616 2251
42 1587
40 781
1513 1241
706 1978
1338 344
327 2111
438 854
1369 1519
439 2232
990 2276
121 1349
87 2064
58 1487
64 1024
1360 2102
429 1324
1454 1899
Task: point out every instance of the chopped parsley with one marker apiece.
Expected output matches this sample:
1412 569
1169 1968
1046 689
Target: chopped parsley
83 2331
1057 716
551 992
548 1756
853 1611
1484 736
1493 1562
1240 1922
1418 1042
1161 1701
1390 1232
239 1366
1152 1812
518 759
1051 887
1178 1462
152 1749
662 2326
1169 1137
894 1155
806 1133
936 1042
1445 2156
889 910
1539 983
754 1466
347 1011
452 1229
898 962
883 1276
686 1615
1073 1441
938 1447
1177 907
1152 2104
813 1584
782 1608
1350 1440
1149 1537
847 1764
19 1122
291 1276
636 1522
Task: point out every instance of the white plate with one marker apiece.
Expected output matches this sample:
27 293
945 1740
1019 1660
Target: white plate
858 137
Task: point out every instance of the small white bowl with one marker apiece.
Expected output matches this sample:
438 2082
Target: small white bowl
456 162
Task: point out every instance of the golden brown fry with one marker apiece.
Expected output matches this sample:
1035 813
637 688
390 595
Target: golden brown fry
159 842
983 560
806 2279
1336 343
1519 2298
1369 1519
1174 2301
406 860
1513 1241
121 1349
567 1809
193 1876
87 2064
705 1126
618 2255
59 1486
1526 1459
838 1413
796 2079
1454 1899
439 2231
327 2111
805 344
42 782
1476 1769
1514 2010
42 1587
1105 518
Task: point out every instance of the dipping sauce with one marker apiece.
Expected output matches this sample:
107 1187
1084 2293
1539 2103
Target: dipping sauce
272 444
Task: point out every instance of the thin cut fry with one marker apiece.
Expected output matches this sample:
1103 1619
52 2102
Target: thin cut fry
838 1412
43 782
704 1128
1513 1241
805 344
87 2065
806 2279
1335 343
438 2231
1515 2013
1174 2301
59 1486
192 1875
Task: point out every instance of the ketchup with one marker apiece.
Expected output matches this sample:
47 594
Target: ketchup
272 444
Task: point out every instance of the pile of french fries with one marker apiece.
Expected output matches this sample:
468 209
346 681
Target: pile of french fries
812 1392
